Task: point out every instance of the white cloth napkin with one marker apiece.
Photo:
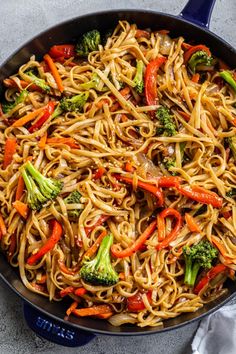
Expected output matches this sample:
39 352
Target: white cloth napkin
217 333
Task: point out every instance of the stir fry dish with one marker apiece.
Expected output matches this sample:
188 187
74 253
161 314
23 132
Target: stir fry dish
118 176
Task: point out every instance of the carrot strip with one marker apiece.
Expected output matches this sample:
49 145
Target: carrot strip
196 78
71 142
122 276
222 250
72 307
101 103
20 188
93 249
160 228
136 245
129 167
10 149
42 280
92 311
66 270
141 33
104 316
3 229
54 71
42 141
28 117
24 84
21 208
192 225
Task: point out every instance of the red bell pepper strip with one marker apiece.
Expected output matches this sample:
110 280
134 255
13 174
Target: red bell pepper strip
62 51
66 291
168 181
80 291
49 244
156 191
201 195
135 303
136 245
99 222
47 113
194 49
173 234
150 80
99 173
212 273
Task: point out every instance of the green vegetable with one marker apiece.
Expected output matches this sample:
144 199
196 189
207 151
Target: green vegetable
92 84
167 124
200 57
197 256
231 193
75 103
57 111
88 43
99 271
232 145
170 162
8 106
37 81
73 198
138 79
40 189
228 77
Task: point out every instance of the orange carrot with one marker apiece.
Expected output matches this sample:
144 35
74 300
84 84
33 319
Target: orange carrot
24 84
20 188
42 141
66 291
102 102
122 276
222 250
185 115
124 118
93 249
28 117
71 142
192 225
72 307
21 208
196 78
54 71
160 228
104 316
234 121
10 149
92 311
66 270
3 229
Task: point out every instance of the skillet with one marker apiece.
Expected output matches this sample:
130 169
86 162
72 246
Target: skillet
46 318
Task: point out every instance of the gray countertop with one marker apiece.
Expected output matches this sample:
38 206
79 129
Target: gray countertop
21 20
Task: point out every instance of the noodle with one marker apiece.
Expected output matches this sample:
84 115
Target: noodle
116 127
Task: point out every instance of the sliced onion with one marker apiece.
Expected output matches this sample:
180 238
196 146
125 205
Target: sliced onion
121 318
165 44
146 166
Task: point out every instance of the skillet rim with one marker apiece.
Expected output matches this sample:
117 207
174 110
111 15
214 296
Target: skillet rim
5 62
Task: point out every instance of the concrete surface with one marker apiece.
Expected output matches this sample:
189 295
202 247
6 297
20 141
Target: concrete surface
20 20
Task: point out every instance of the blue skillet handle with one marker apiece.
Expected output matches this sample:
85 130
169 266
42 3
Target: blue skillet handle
54 331
198 12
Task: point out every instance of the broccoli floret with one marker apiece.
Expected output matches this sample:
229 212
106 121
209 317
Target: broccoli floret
8 106
227 76
75 103
73 198
99 271
170 162
200 57
197 256
232 145
40 189
231 193
138 79
167 124
57 111
39 82
88 43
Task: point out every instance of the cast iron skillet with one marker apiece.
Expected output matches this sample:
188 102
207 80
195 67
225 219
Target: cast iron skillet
46 318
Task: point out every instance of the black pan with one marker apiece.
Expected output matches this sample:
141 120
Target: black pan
46 318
